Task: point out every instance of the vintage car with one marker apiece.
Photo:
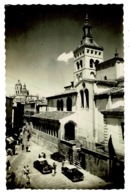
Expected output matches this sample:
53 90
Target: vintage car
72 173
57 156
42 165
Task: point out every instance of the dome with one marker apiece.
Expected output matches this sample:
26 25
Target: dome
18 83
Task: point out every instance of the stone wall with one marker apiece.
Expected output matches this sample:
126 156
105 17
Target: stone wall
47 141
66 149
96 163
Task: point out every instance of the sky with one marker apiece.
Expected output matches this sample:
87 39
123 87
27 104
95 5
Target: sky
40 40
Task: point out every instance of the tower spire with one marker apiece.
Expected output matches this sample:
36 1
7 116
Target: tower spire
87 28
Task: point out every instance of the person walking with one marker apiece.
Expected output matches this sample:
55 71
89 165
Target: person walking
54 167
26 172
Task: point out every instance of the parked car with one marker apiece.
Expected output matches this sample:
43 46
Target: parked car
72 173
57 156
42 165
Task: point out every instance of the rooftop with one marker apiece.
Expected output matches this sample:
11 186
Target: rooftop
109 63
64 93
118 110
106 82
54 115
112 91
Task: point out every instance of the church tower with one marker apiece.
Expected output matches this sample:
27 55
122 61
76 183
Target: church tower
18 88
87 55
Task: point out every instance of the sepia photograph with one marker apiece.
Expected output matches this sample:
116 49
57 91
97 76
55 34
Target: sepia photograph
64 73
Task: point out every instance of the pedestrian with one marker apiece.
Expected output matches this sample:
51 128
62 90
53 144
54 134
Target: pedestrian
13 149
27 169
26 174
22 146
28 136
54 167
16 150
8 166
63 163
43 155
27 148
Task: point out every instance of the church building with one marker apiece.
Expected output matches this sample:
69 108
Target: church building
81 120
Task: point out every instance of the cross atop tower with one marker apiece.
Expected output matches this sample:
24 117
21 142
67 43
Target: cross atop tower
116 54
87 28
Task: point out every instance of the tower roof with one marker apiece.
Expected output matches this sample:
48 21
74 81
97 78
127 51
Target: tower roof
18 83
87 39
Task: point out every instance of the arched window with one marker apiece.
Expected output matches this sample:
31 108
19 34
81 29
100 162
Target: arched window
87 97
105 77
58 105
77 77
81 63
77 65
92 74
61 104
80 76
96 62
82 98
91 63
69 104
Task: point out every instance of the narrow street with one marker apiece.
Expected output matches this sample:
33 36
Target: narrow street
49 181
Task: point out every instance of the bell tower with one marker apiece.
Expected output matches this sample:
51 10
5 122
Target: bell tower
86 55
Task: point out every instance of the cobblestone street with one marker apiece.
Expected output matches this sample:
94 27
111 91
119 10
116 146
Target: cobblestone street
49 181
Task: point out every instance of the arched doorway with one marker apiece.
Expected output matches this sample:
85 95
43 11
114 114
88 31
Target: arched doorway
69 104
70 131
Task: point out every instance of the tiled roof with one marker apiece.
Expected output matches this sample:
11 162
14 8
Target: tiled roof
114 90
64 93
54 115
108 63
106 82
119 109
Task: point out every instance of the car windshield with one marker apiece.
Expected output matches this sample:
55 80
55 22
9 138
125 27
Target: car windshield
74 170
43 162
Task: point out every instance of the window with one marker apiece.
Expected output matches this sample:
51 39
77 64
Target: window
77 65
99 53
91 51
92 75
58 105
80 76
69 104
82 98
122 128
61 104
105 77
96 62
95 52
77 77
81 63
87 50
91 63
87 97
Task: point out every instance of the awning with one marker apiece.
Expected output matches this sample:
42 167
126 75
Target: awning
10 140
